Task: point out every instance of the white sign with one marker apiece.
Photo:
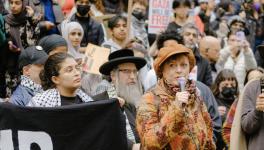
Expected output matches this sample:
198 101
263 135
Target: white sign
159 15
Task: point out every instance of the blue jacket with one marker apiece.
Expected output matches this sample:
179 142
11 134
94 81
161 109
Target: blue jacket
21 96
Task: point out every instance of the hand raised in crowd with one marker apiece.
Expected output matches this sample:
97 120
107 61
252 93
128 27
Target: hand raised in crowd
222 110
13 47
260 102
182 98
234 50
30 11
246 46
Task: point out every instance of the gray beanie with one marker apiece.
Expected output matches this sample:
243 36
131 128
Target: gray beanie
50 42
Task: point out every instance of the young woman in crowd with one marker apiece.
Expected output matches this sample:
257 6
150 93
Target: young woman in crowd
173 115
72 32
226 91
22 31
61 78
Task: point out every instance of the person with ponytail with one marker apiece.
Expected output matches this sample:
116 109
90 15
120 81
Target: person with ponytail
61 78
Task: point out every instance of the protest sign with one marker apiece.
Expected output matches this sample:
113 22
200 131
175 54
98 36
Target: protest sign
96 125
159 15
94 57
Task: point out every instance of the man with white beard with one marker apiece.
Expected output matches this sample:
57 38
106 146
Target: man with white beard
122 67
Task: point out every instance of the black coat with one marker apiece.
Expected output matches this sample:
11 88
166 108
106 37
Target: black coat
130 111
204 69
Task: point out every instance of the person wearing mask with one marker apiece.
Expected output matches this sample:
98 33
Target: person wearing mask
210 48
201 72
237 56
172 115
31 62
53 44
138 26
118 30
61 80
226 92
93 30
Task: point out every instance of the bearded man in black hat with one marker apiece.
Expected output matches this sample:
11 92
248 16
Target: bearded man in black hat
124 85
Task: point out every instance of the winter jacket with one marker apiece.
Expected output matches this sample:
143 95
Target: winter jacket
244 62
251 119
21 96
204 69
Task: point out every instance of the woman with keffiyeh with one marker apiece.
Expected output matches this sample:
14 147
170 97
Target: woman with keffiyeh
61 78
173 114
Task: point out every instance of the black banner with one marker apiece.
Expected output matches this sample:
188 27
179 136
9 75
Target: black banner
92 126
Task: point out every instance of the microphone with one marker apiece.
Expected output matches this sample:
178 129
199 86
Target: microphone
182 82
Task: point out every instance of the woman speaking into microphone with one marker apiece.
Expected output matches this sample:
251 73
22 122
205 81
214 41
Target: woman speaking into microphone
173 115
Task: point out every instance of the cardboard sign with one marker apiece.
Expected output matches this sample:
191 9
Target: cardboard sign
94 57
160 12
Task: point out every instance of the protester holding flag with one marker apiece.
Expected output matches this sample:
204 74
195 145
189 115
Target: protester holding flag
173 114
61 78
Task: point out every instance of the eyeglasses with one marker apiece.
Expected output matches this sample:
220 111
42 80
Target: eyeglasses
128 71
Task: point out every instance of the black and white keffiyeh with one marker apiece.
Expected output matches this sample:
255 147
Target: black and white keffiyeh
27 82
51 98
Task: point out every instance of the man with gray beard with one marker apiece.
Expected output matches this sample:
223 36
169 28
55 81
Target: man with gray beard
122 68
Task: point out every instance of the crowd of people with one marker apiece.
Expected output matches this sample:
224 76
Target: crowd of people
195 85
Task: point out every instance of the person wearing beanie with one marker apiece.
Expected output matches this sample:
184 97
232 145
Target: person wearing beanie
31 62
53 44
173 115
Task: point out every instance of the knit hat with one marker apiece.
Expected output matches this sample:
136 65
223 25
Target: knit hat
50 42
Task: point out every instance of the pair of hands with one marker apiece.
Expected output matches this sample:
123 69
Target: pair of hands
236 47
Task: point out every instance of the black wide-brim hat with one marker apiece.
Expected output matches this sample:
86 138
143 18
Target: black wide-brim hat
119 57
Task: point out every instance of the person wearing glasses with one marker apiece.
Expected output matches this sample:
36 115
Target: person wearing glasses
122 68
61 80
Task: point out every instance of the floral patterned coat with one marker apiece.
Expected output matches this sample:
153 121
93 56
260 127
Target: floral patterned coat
164 125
